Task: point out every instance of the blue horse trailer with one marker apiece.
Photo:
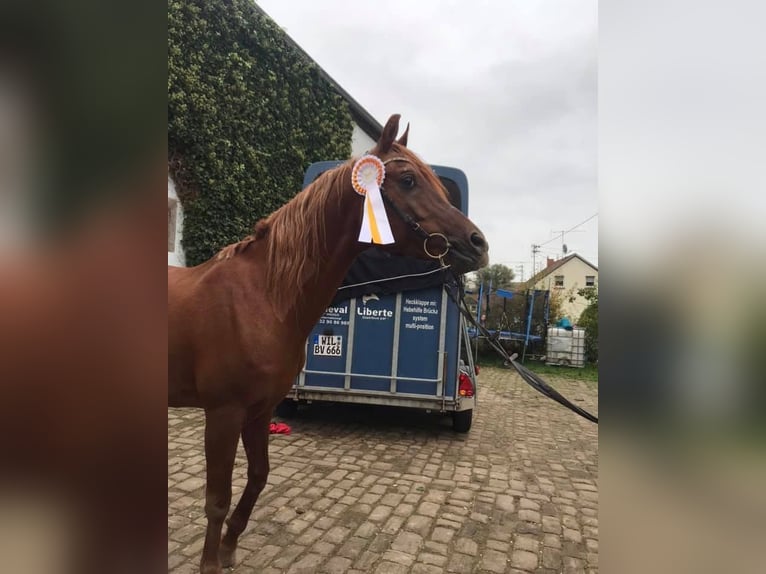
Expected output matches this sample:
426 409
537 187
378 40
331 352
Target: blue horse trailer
392 335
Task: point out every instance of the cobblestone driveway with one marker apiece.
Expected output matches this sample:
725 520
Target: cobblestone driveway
389 491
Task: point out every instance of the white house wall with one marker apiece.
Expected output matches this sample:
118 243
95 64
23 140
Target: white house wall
574 272
360 142
176 257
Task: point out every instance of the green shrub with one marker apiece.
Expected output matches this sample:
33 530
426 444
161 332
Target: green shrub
589 321
247 114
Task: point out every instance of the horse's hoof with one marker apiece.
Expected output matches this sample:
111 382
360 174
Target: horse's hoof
227 556
209 569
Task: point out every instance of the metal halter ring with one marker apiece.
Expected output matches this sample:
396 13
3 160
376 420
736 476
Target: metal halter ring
446 243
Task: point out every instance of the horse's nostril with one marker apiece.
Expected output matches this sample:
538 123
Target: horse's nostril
477 240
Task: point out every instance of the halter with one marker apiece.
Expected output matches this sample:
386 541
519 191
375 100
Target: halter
414 225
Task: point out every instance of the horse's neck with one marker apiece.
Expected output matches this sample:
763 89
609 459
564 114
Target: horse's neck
323 277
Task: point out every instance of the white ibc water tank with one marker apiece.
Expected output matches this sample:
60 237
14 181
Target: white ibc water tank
566 347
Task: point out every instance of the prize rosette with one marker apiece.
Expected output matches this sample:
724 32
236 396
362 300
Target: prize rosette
367 171
367 176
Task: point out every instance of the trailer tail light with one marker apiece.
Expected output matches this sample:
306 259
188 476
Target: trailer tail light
465 386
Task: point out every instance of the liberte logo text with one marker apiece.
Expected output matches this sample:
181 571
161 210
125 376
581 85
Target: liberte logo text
367 312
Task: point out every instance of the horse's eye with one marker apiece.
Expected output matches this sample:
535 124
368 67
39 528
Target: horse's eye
407 181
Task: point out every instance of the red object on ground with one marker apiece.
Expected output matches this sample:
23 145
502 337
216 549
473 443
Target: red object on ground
279 428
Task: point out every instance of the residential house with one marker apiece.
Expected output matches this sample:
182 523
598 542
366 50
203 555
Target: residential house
564 277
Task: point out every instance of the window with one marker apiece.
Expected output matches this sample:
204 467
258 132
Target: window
558 280
171 225
590 280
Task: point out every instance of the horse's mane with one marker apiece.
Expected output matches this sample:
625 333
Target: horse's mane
295 235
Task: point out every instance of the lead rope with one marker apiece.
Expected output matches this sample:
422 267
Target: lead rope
528 376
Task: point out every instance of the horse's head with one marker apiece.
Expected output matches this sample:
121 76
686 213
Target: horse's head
423 221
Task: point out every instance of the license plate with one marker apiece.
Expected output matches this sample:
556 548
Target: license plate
328 345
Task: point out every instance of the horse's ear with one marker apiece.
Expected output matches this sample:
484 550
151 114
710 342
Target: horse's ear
402 141
388 135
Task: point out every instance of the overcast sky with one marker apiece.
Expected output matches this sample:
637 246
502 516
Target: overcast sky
504 90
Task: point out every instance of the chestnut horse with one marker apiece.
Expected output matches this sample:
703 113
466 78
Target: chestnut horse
238 323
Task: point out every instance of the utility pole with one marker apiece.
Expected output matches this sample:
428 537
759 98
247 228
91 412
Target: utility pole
535 251
520 271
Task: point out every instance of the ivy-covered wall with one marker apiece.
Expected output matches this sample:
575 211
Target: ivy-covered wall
247 114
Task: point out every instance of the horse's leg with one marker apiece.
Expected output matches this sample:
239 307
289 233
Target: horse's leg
222 428
255 438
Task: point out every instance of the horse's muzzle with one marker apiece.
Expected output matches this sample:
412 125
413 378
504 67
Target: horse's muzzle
466 256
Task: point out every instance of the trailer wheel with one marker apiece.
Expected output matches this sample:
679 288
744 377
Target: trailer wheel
287 409
461 420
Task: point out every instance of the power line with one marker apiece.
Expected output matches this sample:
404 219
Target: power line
568 230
